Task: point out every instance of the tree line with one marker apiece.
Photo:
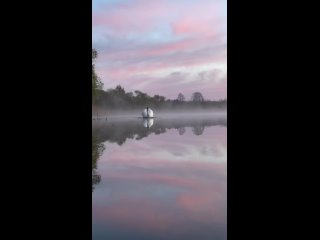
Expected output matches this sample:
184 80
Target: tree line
118 98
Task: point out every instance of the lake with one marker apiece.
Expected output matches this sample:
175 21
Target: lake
164 178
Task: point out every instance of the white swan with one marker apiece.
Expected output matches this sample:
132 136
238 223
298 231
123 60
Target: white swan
147 113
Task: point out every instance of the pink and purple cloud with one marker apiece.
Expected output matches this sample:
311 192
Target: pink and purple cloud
162 47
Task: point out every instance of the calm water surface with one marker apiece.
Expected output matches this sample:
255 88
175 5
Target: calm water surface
160 179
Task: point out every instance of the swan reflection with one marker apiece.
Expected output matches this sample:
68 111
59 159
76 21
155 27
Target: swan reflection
147 123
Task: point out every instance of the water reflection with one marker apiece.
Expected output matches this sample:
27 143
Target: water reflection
198 130
97 150
119 131
163 181
147 123
181 130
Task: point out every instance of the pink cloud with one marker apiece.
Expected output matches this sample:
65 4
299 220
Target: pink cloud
195 26
138 16
164 58
197 37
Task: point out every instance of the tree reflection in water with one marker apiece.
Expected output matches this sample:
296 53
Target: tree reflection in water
97 149
197 130
119 131
181 130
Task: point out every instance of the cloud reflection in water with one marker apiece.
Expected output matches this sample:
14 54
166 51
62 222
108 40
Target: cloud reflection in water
171 183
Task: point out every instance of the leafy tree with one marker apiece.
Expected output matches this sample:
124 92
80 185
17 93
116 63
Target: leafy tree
181 97
197 97
159 99
96 81
120 90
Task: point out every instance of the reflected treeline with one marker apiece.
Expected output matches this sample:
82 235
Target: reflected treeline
197 130
181 130
118 131
97 149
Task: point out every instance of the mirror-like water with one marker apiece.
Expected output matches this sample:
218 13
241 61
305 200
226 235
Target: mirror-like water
164 178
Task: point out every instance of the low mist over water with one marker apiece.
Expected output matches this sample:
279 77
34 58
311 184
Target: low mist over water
164 114
161 178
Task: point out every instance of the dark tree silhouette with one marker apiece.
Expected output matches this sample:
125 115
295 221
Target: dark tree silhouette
118 98
96 81
181 97
197 97
120 90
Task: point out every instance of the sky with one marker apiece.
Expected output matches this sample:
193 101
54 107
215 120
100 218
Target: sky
163 47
